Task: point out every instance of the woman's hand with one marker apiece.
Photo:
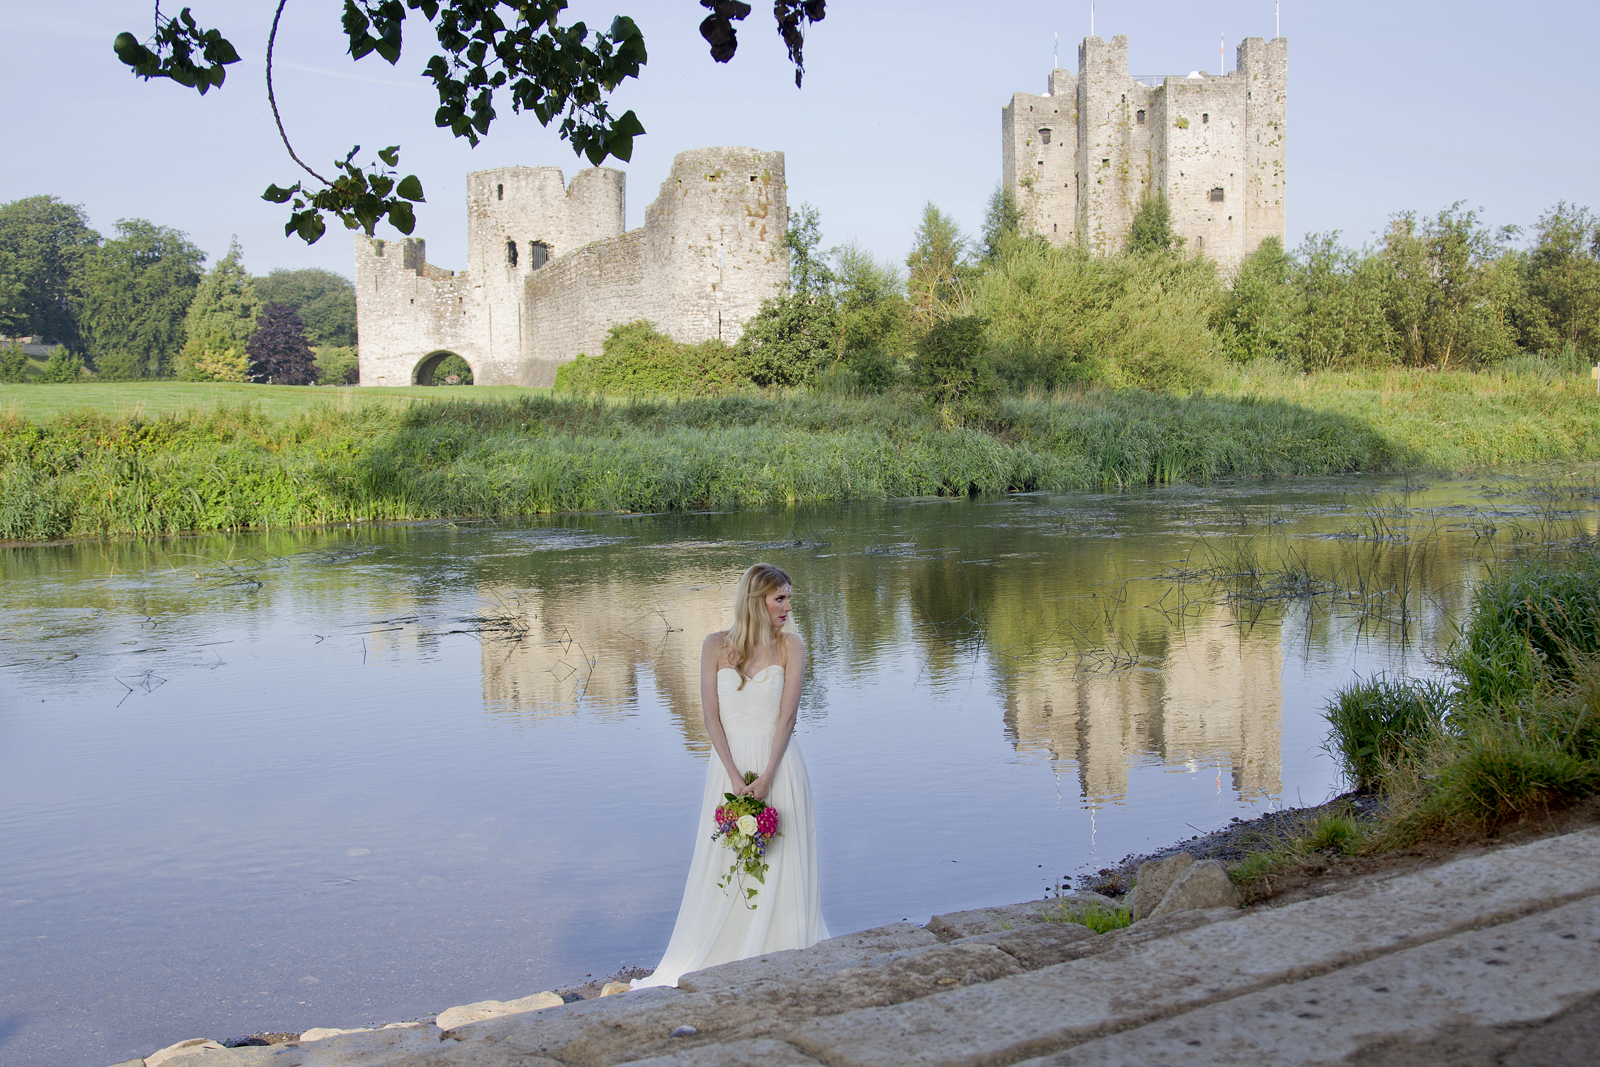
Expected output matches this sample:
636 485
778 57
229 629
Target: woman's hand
757 788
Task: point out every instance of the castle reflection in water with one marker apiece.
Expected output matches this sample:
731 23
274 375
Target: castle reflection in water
1209 695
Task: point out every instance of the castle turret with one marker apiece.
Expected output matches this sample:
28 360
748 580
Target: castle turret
1265 68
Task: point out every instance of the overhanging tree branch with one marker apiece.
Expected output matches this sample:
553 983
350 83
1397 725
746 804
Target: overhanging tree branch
557 72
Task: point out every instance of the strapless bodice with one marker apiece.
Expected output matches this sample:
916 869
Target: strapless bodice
753 709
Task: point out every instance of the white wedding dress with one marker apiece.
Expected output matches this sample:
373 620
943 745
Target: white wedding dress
714 925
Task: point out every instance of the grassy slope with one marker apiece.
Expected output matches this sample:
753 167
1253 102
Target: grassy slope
298 455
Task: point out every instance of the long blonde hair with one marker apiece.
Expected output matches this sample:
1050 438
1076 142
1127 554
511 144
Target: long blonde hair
750 619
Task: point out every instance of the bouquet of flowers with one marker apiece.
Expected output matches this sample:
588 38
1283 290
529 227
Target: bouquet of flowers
747 826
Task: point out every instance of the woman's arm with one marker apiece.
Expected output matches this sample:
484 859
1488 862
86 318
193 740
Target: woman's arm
710 660
794 670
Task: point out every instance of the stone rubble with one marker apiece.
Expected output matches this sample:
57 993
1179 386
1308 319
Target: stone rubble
1504 939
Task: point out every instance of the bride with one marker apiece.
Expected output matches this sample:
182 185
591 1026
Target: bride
750 676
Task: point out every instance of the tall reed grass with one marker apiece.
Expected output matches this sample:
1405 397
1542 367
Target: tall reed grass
1516 729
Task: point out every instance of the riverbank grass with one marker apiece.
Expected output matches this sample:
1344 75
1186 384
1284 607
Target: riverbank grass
1513 733
90 460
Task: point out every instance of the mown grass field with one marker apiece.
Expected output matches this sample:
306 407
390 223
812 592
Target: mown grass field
95 460
41 403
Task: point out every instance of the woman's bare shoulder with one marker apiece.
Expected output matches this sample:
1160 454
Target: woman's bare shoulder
717 642
794 643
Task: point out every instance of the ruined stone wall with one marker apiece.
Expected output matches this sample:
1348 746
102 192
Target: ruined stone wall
573 302
1214 143
550 269
407 310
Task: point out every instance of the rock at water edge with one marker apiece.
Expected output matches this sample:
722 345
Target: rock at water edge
614 987
1154 879
1204 885
192 1047
451 1018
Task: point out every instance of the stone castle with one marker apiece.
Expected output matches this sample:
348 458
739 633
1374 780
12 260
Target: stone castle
550 269
1081 158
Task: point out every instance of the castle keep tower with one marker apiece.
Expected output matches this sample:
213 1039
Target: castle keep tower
550 269
1081 158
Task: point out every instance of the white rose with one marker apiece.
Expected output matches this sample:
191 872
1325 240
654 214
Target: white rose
748 825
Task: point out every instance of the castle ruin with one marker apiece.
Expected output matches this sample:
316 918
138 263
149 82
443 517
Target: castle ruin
550 269
1081 158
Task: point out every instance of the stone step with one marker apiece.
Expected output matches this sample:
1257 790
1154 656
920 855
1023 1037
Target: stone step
1454 991
992 987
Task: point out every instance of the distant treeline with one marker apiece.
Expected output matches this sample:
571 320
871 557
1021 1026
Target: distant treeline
1010 312
141 305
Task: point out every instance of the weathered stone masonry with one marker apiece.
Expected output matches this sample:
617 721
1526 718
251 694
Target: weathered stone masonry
550 269
1080 158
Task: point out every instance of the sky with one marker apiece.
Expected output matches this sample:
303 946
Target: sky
1393 106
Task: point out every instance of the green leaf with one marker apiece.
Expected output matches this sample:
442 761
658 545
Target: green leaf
411 189
401 217
390 155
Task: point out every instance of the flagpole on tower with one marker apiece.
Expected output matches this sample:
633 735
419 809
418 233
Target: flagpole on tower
1277 19
1091 18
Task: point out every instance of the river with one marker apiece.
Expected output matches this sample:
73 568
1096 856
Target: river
270 781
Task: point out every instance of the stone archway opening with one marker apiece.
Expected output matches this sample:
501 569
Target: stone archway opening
442 368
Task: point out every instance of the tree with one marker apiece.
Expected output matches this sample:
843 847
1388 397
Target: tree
63 366
43 243
13 363
874 316
1152 227
1563 278
522 51
1445 299
940 271
1257 315
132 295
952 362
1339 302
325 302
1002 220
794 335
219 322
278 351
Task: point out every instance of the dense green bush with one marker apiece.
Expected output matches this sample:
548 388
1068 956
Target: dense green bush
63 366
13 363
952 361
341 365
639 360
1060 315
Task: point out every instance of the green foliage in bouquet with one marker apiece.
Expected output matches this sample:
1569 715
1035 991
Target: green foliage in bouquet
748 842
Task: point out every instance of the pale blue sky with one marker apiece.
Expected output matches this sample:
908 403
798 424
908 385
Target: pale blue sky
1392 105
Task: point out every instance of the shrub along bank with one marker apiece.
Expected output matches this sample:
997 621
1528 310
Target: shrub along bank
90 474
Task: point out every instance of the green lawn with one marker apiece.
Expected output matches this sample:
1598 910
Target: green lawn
41 403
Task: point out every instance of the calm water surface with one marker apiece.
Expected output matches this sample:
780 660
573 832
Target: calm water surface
336 778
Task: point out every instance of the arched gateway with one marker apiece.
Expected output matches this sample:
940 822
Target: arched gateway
423 372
